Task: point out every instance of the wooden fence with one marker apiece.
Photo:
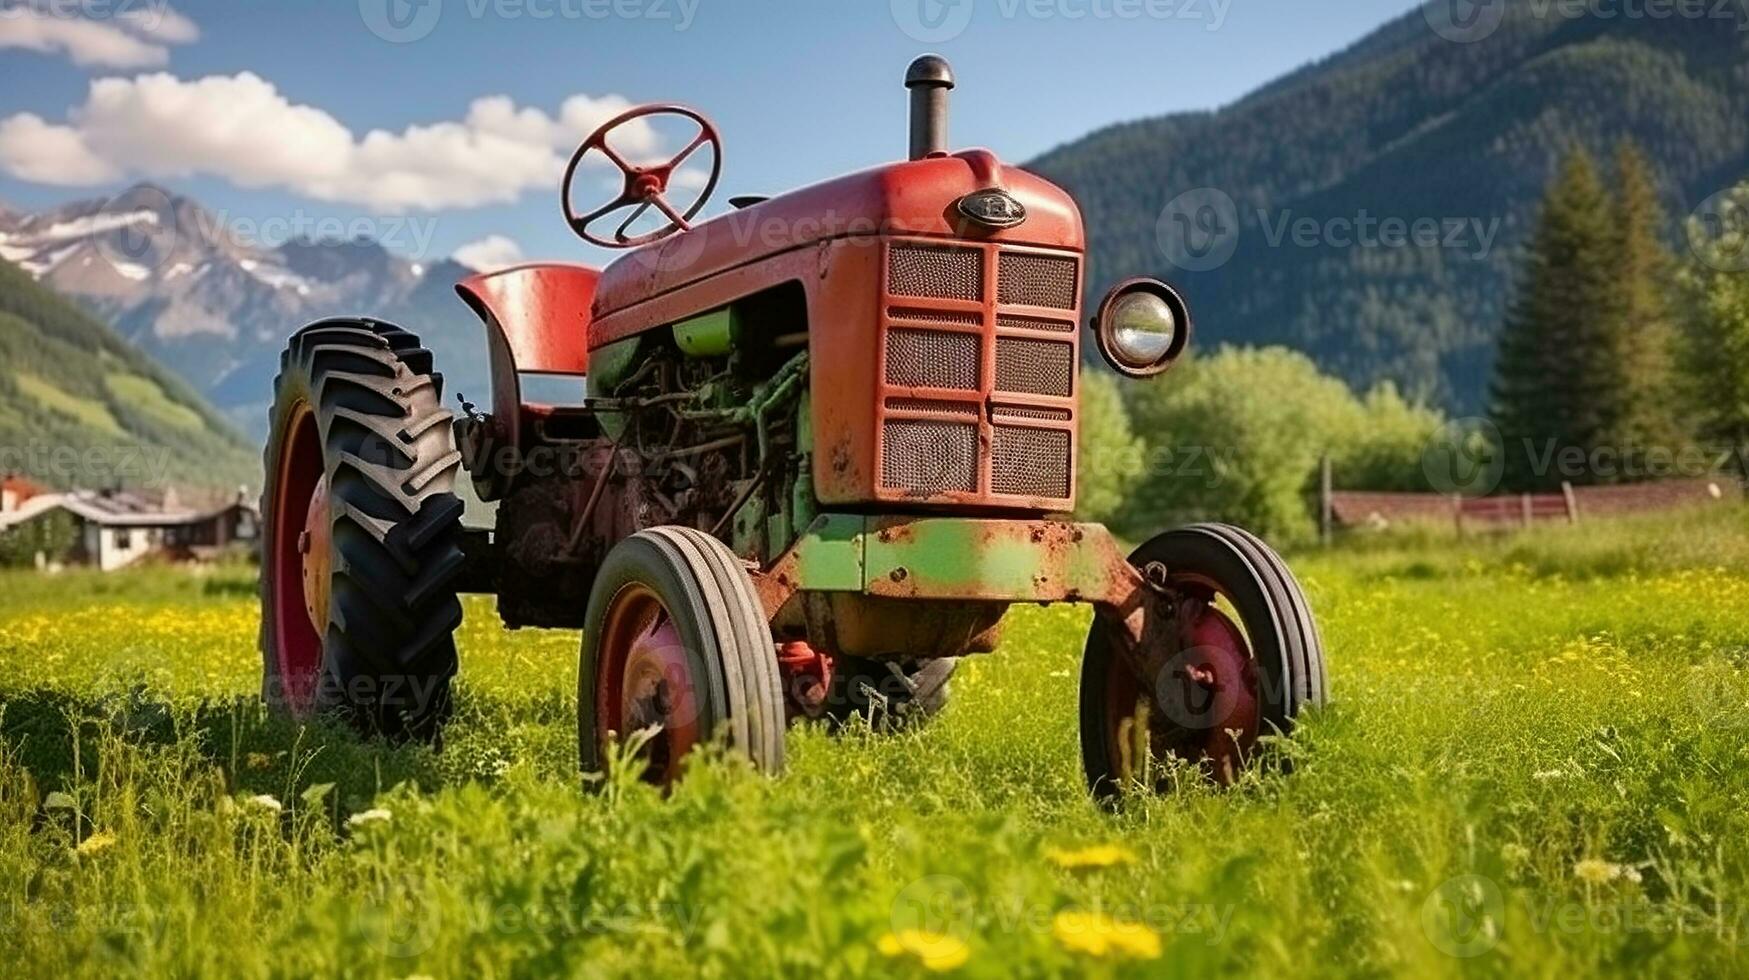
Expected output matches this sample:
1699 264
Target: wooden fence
1343 509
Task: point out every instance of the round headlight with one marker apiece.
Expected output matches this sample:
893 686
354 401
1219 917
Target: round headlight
1142 327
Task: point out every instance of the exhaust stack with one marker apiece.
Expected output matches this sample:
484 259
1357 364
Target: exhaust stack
929 78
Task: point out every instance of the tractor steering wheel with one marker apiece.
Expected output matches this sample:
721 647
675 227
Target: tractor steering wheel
645 186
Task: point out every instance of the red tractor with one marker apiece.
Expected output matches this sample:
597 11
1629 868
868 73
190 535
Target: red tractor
829 439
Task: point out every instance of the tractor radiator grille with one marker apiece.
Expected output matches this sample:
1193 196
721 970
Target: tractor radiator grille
1028 323
1030 462
1010 413
927 458
999 324
937 273
933 359
1035 367
1037 280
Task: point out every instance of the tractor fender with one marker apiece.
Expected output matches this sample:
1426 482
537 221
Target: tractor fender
537 321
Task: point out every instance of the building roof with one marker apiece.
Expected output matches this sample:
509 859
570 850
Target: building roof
40 504
125 509
117 509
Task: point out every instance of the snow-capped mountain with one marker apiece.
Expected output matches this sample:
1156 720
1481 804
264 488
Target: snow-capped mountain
178 283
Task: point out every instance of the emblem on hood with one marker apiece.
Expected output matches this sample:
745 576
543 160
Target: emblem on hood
993 208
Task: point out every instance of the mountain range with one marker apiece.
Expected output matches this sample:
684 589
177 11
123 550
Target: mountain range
1275 214
174 280
80 407
1260 210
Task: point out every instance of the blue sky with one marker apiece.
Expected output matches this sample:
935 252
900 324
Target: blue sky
801 89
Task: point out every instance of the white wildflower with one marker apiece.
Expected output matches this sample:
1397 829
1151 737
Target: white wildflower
365 818
264 802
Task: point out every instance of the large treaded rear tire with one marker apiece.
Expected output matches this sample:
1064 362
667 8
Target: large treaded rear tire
388 652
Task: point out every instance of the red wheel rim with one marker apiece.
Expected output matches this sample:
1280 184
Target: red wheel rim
644 680
297 640
1203 704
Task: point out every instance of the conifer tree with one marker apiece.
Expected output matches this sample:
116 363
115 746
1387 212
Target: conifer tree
1559 383
1645 329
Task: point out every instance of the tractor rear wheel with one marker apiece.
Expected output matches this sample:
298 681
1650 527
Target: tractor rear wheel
361 532
676 648
889 696
1249 661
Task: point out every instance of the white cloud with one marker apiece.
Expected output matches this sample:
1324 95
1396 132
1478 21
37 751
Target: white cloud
241 128
490 254
36 151
137 38
161 24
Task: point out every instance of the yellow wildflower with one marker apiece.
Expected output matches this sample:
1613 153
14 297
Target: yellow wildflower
96 844
936 952
258 760
1101 936
1100 856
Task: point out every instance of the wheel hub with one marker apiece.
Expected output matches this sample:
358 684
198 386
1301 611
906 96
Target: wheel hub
316 556
647 683
1200 703
1212 700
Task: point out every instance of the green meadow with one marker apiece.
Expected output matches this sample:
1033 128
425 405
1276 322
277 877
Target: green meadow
1535 764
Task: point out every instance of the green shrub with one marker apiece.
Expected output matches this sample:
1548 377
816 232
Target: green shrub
1238 437
52 535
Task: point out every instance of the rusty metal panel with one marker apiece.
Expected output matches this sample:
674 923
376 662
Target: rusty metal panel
953 558
1015 561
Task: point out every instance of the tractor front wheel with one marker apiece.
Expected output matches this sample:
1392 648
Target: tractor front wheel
1239 657
361 532
676 651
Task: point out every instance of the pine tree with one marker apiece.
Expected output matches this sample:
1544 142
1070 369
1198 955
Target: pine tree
1645 332
1559 383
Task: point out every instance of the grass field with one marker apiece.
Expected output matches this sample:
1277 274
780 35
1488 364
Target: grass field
1537 764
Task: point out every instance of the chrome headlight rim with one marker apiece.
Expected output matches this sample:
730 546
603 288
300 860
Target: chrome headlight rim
1103 326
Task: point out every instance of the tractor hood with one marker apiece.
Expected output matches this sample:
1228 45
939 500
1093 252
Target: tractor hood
916 198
